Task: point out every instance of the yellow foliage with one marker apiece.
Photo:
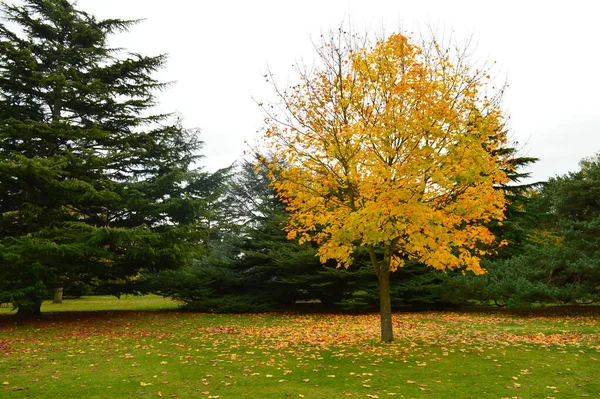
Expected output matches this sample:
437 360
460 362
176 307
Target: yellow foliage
392 146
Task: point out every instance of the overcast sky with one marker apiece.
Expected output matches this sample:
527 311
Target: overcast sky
220 50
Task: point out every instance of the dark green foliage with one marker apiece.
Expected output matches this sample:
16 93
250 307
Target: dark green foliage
250 259
210 284
544 274
93 188
572 202
77 290
268 261
520 217
274 271
575 197
511 282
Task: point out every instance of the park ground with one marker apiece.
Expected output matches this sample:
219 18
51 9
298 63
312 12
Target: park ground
142 347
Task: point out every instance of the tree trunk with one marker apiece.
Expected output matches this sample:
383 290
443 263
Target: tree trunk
385 305
58 295
382 269
29 312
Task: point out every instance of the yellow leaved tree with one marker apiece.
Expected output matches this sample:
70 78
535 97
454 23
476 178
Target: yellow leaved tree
394 147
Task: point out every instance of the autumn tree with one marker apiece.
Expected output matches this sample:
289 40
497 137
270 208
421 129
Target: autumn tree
390 146
94 186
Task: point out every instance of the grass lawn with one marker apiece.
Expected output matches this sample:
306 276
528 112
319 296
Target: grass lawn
103 303
141 353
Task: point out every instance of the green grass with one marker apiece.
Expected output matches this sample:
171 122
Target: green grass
103 303
132 353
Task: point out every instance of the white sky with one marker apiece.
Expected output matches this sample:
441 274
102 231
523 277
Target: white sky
220 50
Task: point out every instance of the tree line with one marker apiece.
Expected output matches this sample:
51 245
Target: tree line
386 180
551 257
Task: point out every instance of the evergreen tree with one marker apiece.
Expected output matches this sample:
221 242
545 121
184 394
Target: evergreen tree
93 186
521 218
572 205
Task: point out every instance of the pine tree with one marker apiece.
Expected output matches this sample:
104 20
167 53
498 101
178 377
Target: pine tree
93 186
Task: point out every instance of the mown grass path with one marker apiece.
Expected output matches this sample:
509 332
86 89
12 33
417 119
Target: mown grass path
133 354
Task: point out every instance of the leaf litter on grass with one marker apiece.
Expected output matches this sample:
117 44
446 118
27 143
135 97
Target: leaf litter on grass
284 352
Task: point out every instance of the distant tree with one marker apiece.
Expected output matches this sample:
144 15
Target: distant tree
93 186
392 147
572 205
575 197
270 265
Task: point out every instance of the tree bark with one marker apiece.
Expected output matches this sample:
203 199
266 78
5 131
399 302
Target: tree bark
58 295
382 269
29 312
385 305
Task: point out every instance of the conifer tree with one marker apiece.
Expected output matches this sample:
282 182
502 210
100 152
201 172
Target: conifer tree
93 186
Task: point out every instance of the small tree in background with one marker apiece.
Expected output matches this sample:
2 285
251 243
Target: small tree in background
393 147
93 187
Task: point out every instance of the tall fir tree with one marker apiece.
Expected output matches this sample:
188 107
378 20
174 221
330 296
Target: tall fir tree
286 270
520 217
93 186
